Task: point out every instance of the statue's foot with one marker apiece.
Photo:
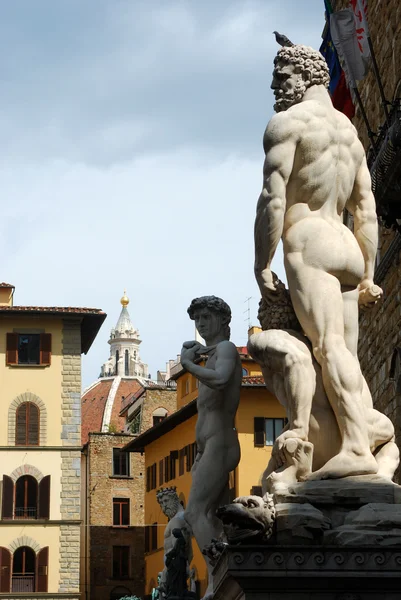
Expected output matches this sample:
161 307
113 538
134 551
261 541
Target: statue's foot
297 433
345 464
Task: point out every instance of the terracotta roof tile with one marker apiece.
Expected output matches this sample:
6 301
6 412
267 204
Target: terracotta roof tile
52 309
93 404
253 380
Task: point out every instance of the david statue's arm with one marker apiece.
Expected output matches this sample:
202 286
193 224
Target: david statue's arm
279 145
219 377
363 208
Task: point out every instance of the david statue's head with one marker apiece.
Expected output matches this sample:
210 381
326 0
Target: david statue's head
297 68
212 318
169 501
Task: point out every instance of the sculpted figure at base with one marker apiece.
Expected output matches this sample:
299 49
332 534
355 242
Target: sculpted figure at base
174 511
176 565
218 450
315 167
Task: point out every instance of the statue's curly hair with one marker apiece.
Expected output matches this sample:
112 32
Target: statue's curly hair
306 58
213 303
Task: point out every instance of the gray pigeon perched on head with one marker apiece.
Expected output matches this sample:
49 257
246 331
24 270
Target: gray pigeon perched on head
282 39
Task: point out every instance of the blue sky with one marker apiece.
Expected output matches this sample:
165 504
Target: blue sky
131 155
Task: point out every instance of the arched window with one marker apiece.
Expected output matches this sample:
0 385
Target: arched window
27 425
117 359
244 372
26 498
24 570
159 415
126 362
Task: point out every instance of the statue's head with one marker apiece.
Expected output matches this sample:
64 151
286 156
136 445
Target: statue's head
211 315
169 501
296 68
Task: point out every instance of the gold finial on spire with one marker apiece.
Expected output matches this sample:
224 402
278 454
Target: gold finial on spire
125 300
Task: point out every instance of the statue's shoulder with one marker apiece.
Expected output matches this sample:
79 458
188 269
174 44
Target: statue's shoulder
227 348
282 127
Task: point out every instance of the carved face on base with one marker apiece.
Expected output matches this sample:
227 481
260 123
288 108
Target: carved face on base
289 85
247 517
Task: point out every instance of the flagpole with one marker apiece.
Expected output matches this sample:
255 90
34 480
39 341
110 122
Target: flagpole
378 79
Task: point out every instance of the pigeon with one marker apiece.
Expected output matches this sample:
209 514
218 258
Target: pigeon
282 39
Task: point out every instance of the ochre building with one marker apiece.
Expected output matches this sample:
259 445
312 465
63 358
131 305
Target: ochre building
40 446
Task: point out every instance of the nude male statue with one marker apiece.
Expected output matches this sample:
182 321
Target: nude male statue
315 167
216 437
174 511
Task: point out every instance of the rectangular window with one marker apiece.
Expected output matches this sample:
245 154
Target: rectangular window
120 562
28 349
167 468
181 461
161 470
121 512
267 430
120 463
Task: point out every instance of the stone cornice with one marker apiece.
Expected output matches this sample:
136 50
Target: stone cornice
41 448
39 522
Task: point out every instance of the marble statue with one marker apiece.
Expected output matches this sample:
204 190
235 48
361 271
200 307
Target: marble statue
248 519
170 504
315 167
218 450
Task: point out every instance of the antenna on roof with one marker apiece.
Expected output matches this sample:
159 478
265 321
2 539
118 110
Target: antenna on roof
248 311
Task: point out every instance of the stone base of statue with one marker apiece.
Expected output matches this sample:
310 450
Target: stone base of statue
332 540
186 596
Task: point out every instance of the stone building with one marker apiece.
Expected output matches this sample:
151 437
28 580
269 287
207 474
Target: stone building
380 328
115 410
40 446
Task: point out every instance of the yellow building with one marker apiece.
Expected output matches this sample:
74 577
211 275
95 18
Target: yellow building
170 451
40 446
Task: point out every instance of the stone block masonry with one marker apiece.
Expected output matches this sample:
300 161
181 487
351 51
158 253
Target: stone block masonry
71 459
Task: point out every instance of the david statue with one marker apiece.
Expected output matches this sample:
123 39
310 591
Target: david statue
218 450
314 169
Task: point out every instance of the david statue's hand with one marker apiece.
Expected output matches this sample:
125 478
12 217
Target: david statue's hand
369 293
190 351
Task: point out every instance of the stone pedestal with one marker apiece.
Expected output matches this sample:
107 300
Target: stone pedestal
333 540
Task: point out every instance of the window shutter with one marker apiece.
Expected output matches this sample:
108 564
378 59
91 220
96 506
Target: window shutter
8 497
33 424
146 538
148 481
5 570
45 348
12 349
44 498
161 465
20 426
154 537
42 563
259 432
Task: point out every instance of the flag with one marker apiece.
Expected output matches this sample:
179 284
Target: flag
344 35
339 92
359 9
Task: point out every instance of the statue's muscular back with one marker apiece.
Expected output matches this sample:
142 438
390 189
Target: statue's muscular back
328 155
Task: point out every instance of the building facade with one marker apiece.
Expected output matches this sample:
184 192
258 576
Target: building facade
40 446
170 449
116 409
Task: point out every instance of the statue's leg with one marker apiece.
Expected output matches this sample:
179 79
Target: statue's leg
318 303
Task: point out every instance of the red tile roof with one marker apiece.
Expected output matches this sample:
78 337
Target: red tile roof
253 380
51 309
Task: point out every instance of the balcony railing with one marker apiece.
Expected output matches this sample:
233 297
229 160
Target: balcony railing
23 583
29 512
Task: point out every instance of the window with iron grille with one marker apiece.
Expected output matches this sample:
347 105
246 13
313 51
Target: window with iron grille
27 425
121 512
120 462
121 555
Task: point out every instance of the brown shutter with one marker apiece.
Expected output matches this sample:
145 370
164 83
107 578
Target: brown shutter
12 349
154 476
45 348
161 465
154 537
20 426
33 424
44 498
5 570
146 538
181 457
259 432
148 479
8 498
42 564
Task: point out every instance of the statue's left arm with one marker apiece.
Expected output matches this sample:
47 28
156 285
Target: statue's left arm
280 145
218 377
362 206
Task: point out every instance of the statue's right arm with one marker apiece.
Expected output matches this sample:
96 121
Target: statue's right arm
280 144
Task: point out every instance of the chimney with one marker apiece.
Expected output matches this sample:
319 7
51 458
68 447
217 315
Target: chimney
6 294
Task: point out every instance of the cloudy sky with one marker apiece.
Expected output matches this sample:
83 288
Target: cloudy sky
131 155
